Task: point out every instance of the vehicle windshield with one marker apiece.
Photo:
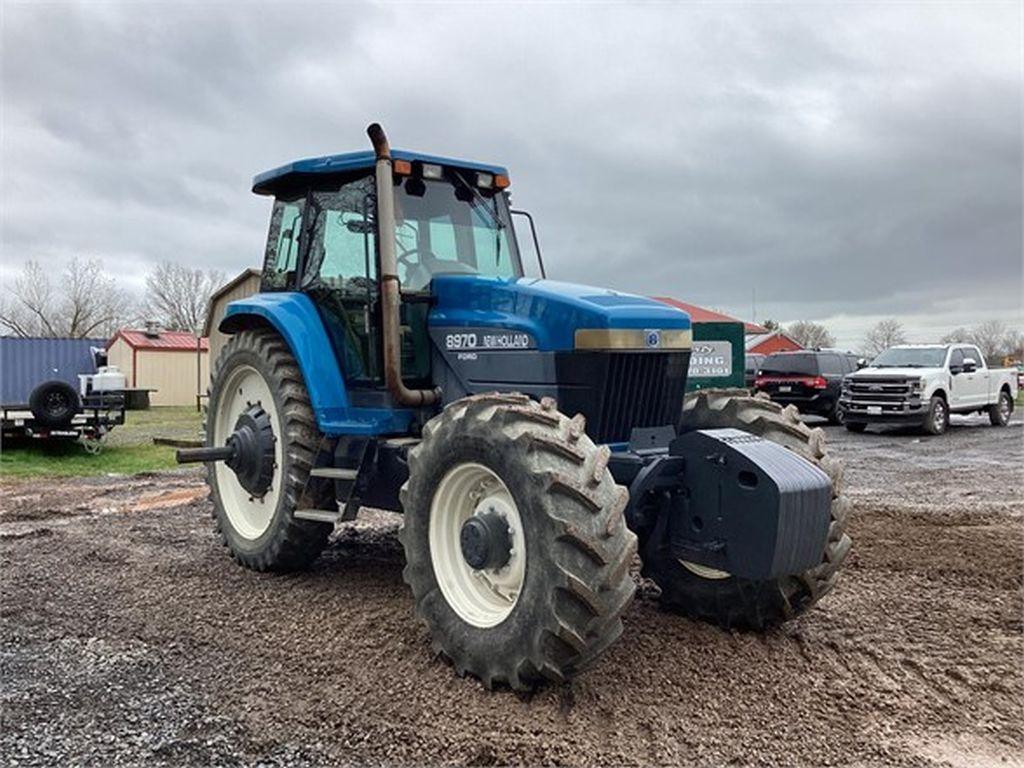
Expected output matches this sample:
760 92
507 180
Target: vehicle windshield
790 365
451 227
911 357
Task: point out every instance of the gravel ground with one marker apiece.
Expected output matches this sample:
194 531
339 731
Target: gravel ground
128 637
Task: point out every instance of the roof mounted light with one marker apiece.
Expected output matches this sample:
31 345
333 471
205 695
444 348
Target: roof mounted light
402 167
485 180
501 181
431 171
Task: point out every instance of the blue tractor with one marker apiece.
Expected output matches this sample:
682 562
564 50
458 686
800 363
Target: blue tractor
533 433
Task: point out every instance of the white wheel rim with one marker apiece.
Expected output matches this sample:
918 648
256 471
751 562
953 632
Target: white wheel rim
704 571
250 516
482 598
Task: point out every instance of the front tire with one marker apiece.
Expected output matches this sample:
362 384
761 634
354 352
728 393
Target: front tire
1000 412
729 601
257 367
560 595
855 426
937 420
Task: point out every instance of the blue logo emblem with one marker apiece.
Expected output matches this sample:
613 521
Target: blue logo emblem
652 339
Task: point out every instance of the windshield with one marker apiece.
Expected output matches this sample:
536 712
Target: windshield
790 364
911 357
450 227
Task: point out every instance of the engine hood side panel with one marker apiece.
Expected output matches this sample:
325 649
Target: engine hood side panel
548 310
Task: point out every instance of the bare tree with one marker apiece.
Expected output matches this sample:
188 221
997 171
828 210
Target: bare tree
957 336
771 325
810 335
991 337
994 338
1015 345
80 302
882 335
178 297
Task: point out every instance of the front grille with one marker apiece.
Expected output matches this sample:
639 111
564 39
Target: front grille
889 394
641 389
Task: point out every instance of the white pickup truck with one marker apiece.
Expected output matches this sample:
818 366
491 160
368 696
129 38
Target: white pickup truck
923 384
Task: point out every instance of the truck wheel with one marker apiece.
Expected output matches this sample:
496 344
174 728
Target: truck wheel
516 548
855 426
835 416
937 420
717 596
256 369
999 413
54 403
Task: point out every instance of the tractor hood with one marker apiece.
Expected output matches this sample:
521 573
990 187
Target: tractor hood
551 312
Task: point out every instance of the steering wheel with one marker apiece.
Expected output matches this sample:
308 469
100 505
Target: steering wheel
403 257
418 268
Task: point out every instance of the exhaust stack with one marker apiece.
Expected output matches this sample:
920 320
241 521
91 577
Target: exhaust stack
389 286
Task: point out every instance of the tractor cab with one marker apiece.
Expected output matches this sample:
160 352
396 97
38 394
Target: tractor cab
451 218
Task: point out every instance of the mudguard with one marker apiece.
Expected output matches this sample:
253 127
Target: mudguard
295 317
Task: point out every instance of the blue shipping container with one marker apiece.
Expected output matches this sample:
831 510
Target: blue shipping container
27 363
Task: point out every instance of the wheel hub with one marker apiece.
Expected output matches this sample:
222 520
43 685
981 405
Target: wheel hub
485 541
252 444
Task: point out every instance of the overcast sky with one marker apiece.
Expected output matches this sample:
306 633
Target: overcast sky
849 162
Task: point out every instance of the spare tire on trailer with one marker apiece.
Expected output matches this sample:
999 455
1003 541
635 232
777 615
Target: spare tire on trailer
719 597
54 403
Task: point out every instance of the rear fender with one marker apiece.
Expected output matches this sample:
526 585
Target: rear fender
296 319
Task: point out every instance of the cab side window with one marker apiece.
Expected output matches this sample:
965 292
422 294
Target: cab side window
956 359
282 255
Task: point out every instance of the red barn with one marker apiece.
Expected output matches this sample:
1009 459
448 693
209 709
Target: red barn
770 341
703 315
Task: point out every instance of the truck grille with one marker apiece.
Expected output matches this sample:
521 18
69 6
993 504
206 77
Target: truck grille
890 394
641 389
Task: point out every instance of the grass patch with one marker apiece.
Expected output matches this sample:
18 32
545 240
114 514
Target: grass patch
128 449
140 427
71 460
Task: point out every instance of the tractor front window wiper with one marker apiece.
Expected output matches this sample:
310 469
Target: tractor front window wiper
478 201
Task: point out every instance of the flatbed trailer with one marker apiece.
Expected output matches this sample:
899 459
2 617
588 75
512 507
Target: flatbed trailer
98 415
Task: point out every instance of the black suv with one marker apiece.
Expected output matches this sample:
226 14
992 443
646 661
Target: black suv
809 379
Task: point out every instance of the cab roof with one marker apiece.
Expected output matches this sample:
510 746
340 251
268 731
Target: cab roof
269 182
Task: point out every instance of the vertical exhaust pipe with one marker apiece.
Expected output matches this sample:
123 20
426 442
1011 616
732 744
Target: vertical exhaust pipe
389 288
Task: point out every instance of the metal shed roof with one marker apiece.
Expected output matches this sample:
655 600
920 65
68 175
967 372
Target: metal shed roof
27 363
167 340
268 182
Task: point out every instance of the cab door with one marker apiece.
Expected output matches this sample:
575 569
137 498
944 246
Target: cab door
968 388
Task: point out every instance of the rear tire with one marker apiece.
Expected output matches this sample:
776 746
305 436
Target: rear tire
937 420
575 547
1000 412
729 601
262 534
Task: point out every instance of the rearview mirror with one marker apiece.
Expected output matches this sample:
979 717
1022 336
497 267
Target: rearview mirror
862 363
970 365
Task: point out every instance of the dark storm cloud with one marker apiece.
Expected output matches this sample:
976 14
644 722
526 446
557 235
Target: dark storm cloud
847 162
